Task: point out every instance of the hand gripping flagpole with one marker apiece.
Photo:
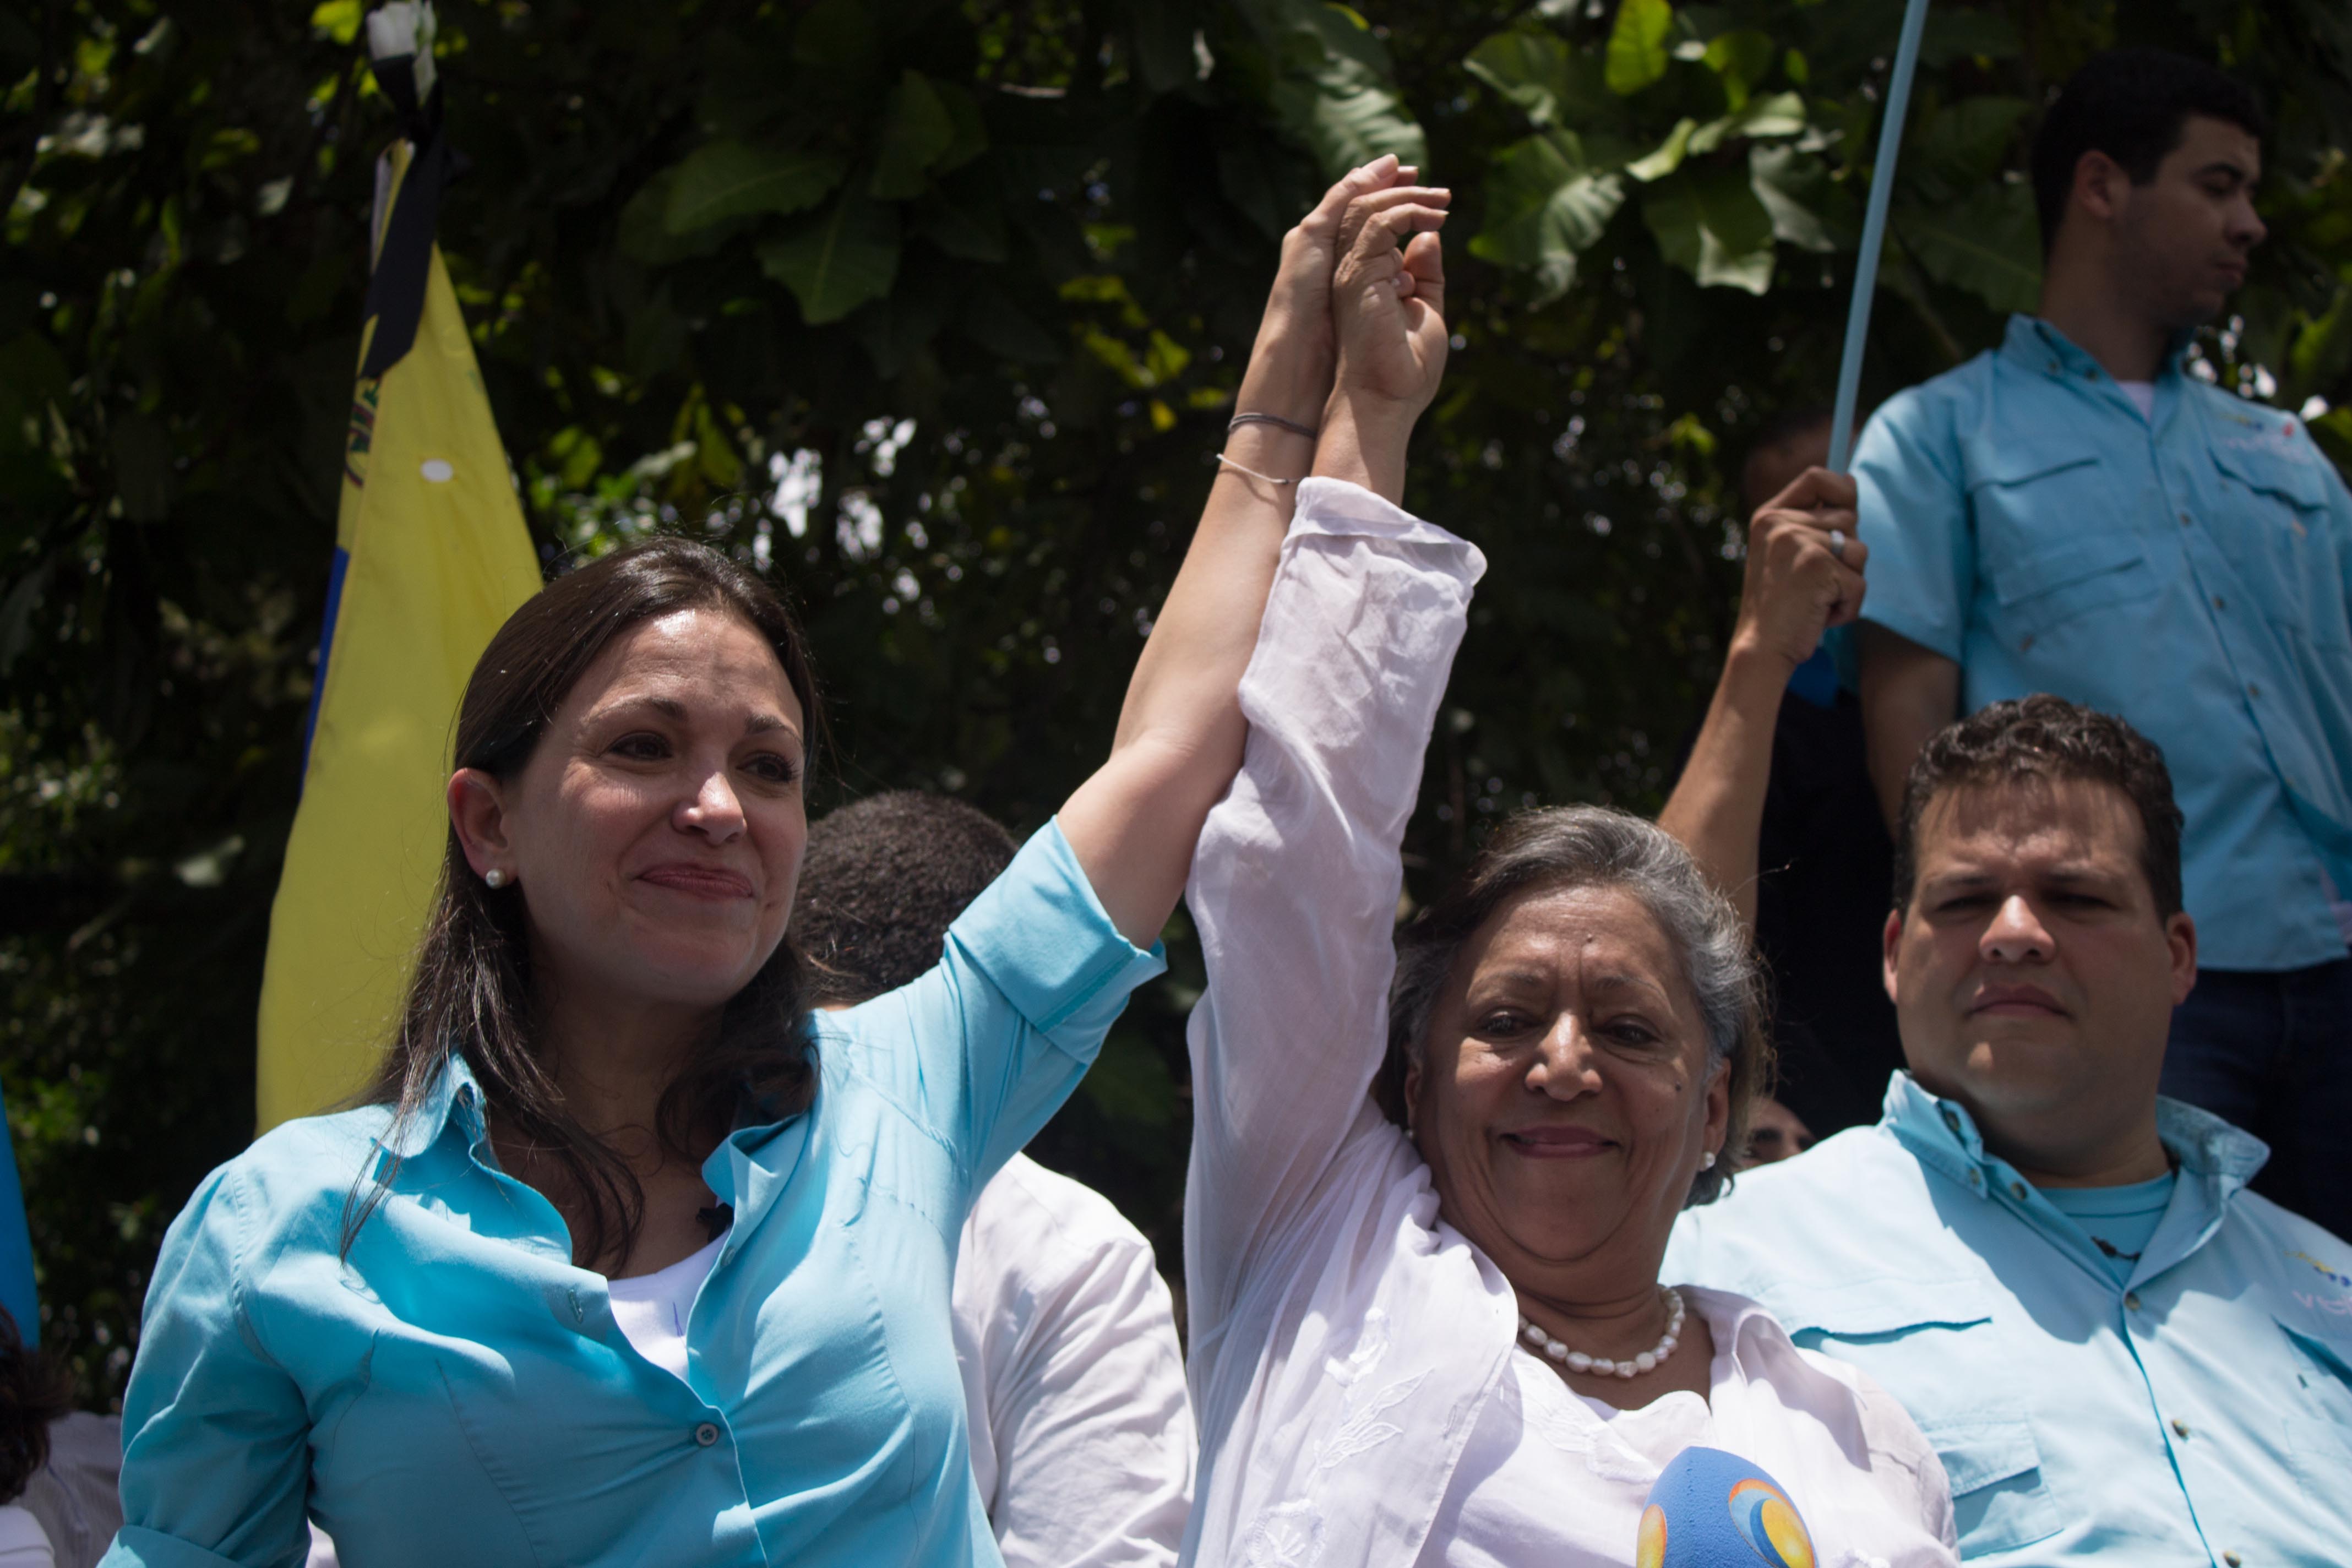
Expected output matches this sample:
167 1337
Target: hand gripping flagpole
1873 234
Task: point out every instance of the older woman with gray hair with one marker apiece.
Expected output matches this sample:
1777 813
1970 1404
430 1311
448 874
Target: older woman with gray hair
1425 1221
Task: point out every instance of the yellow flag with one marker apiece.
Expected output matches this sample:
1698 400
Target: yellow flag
431 557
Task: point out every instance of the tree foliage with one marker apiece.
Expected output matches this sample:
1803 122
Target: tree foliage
934 310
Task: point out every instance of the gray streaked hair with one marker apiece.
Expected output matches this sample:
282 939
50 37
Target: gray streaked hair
1595 846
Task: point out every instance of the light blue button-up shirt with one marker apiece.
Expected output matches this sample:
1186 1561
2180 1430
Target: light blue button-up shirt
2199 1410
458 1392
2191 571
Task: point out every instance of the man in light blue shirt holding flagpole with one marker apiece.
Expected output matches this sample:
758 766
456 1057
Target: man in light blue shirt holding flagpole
2120 1353
2072 513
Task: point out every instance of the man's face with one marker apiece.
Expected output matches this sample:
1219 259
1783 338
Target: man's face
2032 978
2182 241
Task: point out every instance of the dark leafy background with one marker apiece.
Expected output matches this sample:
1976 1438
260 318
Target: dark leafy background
935 310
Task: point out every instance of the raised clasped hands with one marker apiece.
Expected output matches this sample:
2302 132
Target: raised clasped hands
1804 572
1293 363
1387 314
1388 291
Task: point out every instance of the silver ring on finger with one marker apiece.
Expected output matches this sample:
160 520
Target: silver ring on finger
1837 542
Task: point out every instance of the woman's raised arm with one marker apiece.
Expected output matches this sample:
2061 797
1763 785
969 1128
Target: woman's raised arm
1295 888
1133 824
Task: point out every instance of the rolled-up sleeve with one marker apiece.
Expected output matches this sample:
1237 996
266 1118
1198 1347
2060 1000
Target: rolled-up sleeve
1912 511
1294 883
216 1436
984 1048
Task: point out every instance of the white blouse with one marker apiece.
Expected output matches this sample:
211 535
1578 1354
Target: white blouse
1354 1360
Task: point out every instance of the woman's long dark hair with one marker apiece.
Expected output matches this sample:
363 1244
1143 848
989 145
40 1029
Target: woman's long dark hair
472 992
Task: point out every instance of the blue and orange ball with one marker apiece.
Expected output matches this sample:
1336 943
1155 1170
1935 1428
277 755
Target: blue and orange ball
1713 1509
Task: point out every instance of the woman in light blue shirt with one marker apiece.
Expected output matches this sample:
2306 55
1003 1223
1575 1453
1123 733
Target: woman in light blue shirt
400 1321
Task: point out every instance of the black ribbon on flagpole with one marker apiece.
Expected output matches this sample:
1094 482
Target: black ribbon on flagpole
395 294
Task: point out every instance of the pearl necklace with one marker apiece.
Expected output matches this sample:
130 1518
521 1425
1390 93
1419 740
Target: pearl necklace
1602 1367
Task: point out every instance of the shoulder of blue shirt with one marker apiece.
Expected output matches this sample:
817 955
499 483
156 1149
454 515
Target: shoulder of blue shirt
1934 406
1740 1242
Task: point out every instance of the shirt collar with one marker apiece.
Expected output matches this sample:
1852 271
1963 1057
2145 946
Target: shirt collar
2036 345
1942 1132
456 1098
2209 1147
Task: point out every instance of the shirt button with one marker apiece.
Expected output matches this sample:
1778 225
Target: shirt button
2232 1559
2253 688
2180 1426
2017 1191
2185 519
1951 1119
708 1433
2131 1300
2219 603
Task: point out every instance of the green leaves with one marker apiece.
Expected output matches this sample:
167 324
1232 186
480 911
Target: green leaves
839 260
1953 34
1544 207
1796 189
1739 61
1335 90
1534 69
919 131
727 179
1961 146
1986 243
1668 155
1637 46
1549 197
1712 224
1781 114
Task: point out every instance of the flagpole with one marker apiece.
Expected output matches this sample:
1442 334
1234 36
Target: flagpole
1873 234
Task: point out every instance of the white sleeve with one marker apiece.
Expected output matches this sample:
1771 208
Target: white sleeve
1294 883
23 1542
1086 1413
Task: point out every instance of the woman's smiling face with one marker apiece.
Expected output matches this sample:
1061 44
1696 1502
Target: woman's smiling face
656 833
1565 1098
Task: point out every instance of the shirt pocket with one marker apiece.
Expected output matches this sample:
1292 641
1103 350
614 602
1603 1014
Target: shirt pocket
2041 590
2319 1420
2282 544
1933 1345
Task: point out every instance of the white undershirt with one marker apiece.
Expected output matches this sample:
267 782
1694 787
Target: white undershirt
652 1308
2142 393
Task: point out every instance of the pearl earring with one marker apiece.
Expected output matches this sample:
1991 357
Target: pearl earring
498 878
1707 1164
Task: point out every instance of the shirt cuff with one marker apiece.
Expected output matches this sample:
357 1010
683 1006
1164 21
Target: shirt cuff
1042 939
137 1548
1921 629
1342 509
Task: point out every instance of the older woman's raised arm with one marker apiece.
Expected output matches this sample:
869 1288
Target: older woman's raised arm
1295 887
1133 824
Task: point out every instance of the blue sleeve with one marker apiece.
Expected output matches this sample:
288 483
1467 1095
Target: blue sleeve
216 1436
18 1293
986 1047
1912 509
2339 509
